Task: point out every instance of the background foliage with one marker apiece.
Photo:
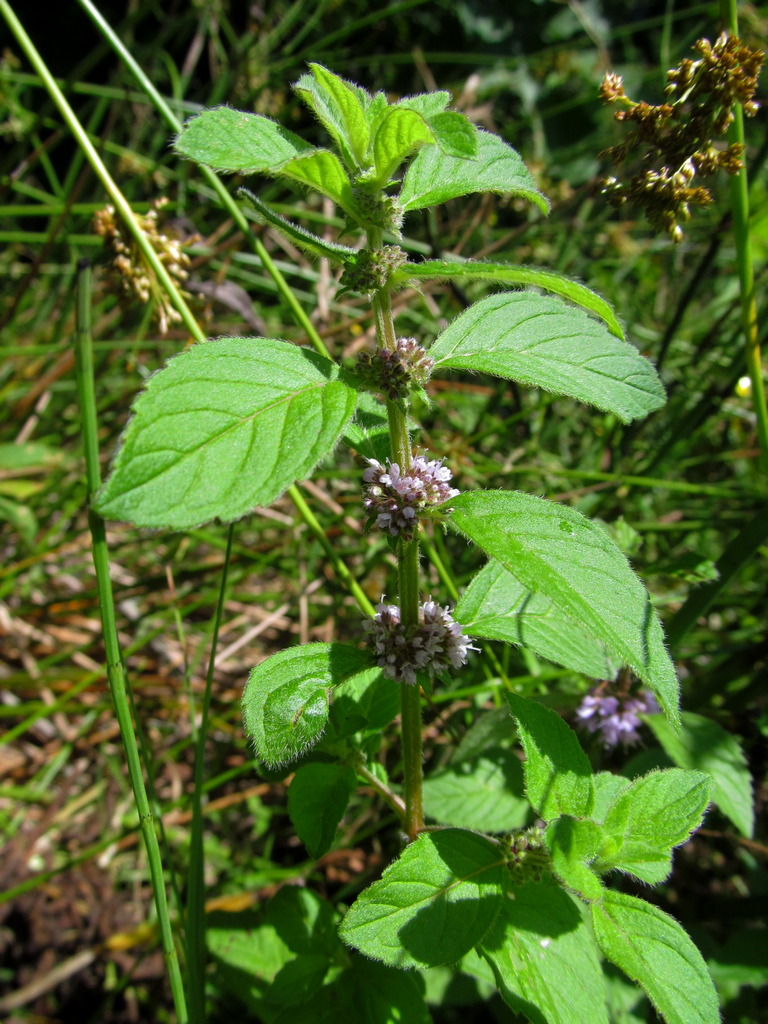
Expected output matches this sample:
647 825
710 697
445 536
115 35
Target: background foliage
677 489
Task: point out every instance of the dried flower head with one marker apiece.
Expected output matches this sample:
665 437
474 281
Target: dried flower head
435 645
395 499
131 276
615 718
396 372
677 140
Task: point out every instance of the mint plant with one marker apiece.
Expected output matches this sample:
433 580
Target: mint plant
512 890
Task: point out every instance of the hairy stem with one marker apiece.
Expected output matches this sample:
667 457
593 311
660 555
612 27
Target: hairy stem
408 586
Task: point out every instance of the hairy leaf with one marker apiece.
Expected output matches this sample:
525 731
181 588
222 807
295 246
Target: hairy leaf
455 134
306 240
485 793
656 813
432 905
322 170
508 273
234 140
285 703
573 845
225 426
652 949
400 133
435 177
497 606
339 107
556 551
558 775
317 799
541 341
544 958
704 744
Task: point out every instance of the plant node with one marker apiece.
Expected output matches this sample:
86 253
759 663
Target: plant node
372 269
395 373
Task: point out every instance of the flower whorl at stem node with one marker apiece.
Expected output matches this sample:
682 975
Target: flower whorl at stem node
395 498
396 372
372 268
435 645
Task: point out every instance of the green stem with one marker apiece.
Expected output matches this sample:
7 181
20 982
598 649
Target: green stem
117 682
740 207
408 586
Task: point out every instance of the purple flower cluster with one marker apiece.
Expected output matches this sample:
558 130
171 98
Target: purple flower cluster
396 372
616 718
435 645
395 498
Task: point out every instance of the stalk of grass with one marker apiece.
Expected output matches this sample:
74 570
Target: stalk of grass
115 675
741 229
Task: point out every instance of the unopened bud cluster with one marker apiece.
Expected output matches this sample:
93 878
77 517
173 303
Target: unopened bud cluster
396 372
131 275
435 645
372 268
526 854
677 138
395 498
379 209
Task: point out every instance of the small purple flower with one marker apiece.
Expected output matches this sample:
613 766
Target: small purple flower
394 497
435 645
615 718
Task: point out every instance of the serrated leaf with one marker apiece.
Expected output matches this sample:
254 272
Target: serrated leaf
317 799
558 775
703 744
496 606
225 426
544 958
234 140
607 789
573 846
654 814
455 134
485 793
432 905
285 702
322 170
508 273
556 551
400 133
654 950
434 177
343 113
543 342
306 240
427 103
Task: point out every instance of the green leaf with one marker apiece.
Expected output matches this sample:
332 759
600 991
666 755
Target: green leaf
304 921
556 551
455 134
225 426
558 775
434 177
367 703
378 994
703 744
338 105
432 905
654 814
322 170
285 703
233 140
497 606
317 799
428 104
400 133
477 270
543 342
247 955
306 240
485 793
654 950
607 789
544 958
573 846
